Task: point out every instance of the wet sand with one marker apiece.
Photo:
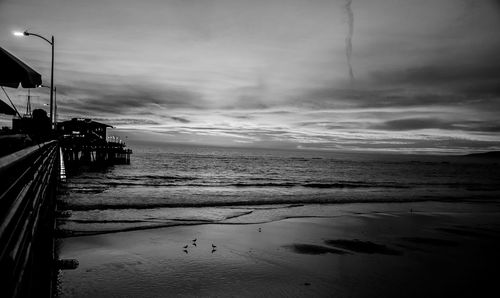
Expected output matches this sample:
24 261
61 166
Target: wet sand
423 249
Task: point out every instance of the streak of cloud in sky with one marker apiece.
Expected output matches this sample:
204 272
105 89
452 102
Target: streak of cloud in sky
272 73
348 39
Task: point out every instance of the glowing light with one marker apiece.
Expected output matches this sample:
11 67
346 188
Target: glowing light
17 33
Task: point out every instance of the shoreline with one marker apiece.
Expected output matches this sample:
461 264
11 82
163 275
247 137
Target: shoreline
249 210
412 249
240 218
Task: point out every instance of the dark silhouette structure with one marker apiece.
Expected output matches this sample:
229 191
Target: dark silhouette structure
83 130
84 141
36 126
14 72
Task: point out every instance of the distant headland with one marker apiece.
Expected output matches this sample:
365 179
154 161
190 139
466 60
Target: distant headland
489 155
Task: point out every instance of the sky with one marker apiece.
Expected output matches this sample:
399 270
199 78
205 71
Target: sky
271 73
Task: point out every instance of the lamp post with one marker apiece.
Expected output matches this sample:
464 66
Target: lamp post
51 42
55 108
55 105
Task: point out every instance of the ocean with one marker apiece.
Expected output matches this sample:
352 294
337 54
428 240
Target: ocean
167 185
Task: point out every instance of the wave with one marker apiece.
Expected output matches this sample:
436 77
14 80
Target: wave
253 184
153 220
156 177
354 185
90 221
88 190
91 226
85 178
66 233
286 202
279 184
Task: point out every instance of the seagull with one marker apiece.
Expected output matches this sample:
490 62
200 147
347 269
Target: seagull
194 243
194 240
213 246
185 246
214 250
185 251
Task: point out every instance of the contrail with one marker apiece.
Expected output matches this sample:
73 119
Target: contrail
348 39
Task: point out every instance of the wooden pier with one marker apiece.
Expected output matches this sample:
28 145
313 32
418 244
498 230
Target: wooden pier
32 162
29 179
98 155
27 220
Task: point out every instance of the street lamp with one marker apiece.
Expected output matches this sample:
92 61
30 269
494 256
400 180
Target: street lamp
51 42
55 104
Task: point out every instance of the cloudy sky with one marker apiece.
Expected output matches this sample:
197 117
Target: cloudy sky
272 73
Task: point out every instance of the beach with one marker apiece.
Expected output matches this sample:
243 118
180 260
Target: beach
412 249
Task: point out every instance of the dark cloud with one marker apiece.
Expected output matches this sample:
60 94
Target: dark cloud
447 145
99 98
434 123
248 102
413 124
330 125
245 117
275 112
476 85
372 97
242 131
180 119
480 80
497 4
126 121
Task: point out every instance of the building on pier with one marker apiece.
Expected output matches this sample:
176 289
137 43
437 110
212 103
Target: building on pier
84 141
85 130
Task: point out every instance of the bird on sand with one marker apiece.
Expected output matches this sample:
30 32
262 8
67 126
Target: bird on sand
213 246
185 246
185 251
214 250
194 240
194 243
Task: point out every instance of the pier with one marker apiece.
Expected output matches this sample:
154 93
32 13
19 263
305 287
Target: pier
30 176
28 209
35 156
27 220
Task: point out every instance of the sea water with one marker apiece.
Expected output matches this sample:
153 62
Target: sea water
168 185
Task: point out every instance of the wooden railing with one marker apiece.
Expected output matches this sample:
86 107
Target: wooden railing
28 180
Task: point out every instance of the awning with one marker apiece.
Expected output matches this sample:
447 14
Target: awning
6 109
14 72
